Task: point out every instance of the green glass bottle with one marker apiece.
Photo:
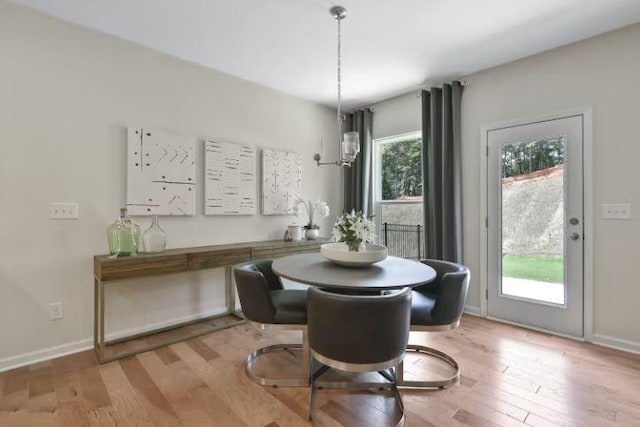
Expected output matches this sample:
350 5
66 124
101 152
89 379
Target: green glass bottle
123 236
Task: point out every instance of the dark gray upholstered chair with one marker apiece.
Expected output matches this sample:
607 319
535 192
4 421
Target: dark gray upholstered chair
265 301
356 333
438 306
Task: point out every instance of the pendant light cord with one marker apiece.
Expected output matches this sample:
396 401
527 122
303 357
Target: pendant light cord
339 111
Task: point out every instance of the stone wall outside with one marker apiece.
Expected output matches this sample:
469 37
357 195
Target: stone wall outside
533 213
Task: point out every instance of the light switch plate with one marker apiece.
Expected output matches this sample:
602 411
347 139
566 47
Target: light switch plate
60 210
56 311
616 210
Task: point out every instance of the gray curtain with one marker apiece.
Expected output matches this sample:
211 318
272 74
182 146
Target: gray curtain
358 178
441 172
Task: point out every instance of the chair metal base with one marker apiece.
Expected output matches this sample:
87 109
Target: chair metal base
273 382
429 384
389 375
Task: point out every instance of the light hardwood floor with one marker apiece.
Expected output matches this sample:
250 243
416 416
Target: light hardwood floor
510 376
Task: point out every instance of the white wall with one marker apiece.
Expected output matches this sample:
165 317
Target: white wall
66 96
397 115
602 73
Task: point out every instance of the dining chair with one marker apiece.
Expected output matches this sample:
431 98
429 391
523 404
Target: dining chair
358 333
265 302
438 306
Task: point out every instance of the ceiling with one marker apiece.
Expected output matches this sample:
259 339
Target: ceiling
389 46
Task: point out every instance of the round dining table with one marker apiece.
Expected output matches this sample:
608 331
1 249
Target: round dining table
316 270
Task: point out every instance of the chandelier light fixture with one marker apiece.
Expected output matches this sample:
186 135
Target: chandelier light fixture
349 142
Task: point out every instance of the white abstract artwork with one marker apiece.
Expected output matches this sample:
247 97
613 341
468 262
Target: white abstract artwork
281 181
230 179
161 173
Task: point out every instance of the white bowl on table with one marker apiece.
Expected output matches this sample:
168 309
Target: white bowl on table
340 254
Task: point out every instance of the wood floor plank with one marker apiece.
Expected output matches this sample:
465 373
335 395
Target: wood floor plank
473 420
15 392
206 352
70 405
93 389
510 377
619 403
536 421
295 400
492 411
146 386
562 412
414 419
188 394
344 415
429 408
21 418
40 382
167 355
42 396
375 407
130 406
256 406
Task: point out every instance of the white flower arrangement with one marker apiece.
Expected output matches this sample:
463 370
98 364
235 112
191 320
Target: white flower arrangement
353 229
319 207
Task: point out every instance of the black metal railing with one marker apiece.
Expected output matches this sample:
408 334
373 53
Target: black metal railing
404 241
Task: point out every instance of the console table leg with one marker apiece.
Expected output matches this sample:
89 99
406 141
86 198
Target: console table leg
95 313
228 278
101 320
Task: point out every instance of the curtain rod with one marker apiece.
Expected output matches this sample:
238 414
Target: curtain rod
370 108
463 83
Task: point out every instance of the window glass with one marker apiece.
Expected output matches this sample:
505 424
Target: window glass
401 170
398 181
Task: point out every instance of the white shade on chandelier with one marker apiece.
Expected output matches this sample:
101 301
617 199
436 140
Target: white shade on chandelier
349 142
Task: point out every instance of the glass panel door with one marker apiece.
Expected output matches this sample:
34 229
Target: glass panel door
535 225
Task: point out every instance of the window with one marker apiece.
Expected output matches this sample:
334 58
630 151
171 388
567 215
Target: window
398 193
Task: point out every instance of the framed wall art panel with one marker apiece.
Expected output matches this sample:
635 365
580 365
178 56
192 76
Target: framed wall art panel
281 181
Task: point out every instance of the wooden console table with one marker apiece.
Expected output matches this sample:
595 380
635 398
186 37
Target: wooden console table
108 269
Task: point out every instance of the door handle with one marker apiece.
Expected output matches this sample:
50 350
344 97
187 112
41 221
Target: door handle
574 236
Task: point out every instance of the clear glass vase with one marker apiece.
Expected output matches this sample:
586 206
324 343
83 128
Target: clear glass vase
356 246
154 239
123 236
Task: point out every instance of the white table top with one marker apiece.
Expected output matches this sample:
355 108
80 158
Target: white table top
392 273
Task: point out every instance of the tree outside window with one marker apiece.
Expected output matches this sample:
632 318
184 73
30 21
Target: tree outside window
401 164
399 180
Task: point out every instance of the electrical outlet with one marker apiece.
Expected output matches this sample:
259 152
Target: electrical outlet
616 211
56 310
59 210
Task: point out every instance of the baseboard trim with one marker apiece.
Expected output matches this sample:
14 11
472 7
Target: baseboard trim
472 310
54 352
37 356
535 328
598 339
616 343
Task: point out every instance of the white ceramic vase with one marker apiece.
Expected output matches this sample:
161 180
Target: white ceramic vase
312 233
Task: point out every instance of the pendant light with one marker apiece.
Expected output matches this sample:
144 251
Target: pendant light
349 142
